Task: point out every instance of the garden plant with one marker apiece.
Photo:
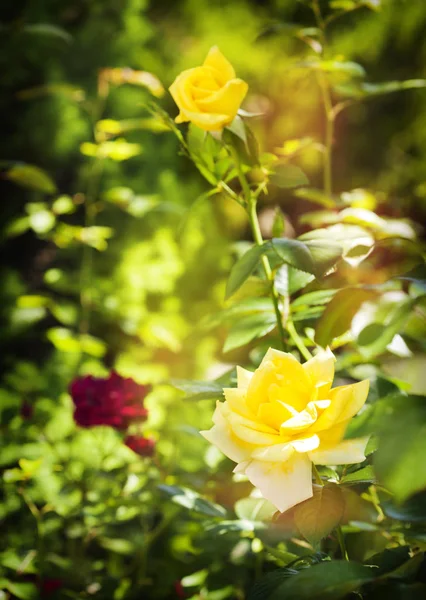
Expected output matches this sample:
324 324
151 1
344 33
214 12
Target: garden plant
213 302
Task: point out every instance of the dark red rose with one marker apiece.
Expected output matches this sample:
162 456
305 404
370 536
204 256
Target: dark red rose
115 401
51 585
180 592
27 410
141 445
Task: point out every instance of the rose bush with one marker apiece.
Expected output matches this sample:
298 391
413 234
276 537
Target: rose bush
209 96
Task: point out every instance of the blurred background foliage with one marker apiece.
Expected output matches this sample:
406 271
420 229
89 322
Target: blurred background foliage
114 258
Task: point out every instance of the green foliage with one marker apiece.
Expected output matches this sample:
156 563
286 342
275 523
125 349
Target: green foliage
120 254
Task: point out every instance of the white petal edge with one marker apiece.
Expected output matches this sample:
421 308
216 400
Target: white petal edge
345 453
283 484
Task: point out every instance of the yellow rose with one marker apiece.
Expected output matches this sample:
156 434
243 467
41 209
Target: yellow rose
209 96
284 417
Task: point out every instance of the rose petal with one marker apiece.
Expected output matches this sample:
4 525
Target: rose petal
243 378
283 484
220 64
221 435
277 453
226 101
279 377
345 403
306 444
346 453
236 399
320 370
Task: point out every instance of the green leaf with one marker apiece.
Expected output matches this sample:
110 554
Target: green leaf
402 441
249 328
278 226
416 276
199 390
48 30
325 581
238 128
288 176
117 545
294 253
389 560
356 242
374 338
315 196
325 254
338 315
243 268
193 501
255 509
315 257
23 591
363 90
313 298
297 280
264 588
316 517
346 69
411 511
32 177
42 221
364 475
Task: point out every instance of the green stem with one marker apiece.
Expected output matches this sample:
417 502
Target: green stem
329 133
257 234
328 105
251 205
86 277
298 340
317 476
342 544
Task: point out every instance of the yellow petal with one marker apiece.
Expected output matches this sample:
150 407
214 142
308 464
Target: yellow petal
279 377
334 435
283 484
207 122
346 453
243 378
275 414
277 453
304 419
252 435
181 90
345 403
320 370
220 64
225 101
236 398
221 436
306 444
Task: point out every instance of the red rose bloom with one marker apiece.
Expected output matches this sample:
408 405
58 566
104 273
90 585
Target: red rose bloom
141 445
115 401
51 585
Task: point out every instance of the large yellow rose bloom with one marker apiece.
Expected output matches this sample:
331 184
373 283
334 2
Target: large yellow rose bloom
209 96
284 417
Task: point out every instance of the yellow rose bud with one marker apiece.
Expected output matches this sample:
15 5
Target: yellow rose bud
284 417
209 96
